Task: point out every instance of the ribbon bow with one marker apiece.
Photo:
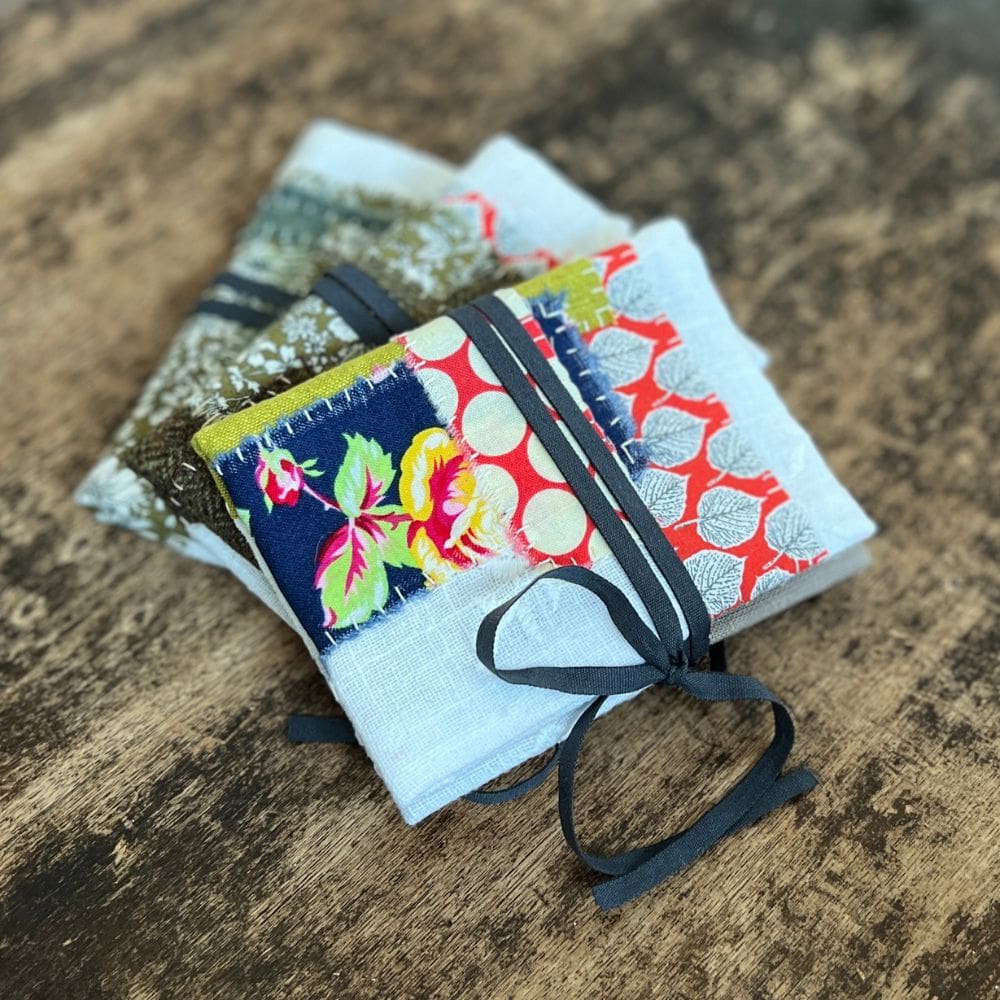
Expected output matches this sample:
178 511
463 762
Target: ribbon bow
665 655
663 662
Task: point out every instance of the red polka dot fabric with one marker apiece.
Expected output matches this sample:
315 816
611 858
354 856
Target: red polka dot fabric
513 470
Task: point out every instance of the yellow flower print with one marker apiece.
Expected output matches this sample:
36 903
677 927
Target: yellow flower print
452 525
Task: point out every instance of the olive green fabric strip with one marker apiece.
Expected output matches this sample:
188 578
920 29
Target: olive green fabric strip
223 436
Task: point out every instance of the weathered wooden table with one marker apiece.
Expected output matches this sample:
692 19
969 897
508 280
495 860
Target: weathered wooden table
157 835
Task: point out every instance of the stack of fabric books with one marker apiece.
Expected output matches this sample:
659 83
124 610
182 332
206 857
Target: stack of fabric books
502 460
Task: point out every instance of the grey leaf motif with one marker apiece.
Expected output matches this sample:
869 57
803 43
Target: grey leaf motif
664 493
624 356
676 371
729 451
771 579
787 530
672 436
717 575
727 517
631 295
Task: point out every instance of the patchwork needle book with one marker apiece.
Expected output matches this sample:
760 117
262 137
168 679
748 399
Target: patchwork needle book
337 186
507 213
514 517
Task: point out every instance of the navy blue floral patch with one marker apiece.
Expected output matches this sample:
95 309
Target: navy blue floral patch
357 501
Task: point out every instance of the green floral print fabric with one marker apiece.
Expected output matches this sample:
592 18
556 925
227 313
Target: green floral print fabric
337 187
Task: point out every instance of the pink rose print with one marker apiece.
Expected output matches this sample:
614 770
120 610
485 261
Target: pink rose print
281 479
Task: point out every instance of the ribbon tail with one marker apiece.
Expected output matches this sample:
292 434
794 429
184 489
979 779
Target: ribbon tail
790 785
320 729
662 662
762 789
673 858
498 796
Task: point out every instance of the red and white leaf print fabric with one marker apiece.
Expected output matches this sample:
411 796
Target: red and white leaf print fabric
731 504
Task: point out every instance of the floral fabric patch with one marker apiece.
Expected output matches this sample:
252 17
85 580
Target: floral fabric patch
351 511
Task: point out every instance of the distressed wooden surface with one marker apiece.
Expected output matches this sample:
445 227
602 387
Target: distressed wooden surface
841 165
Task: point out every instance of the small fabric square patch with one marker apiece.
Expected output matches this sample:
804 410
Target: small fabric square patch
352 512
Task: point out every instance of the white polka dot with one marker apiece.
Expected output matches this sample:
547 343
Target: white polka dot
436 340
442 392
597 547
480 367
492 424
498 488
554 522
542 462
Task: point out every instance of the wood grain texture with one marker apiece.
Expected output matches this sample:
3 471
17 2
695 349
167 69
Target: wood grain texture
158 838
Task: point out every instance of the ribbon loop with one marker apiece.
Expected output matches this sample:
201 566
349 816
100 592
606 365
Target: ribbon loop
762 789
499 796
659 662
